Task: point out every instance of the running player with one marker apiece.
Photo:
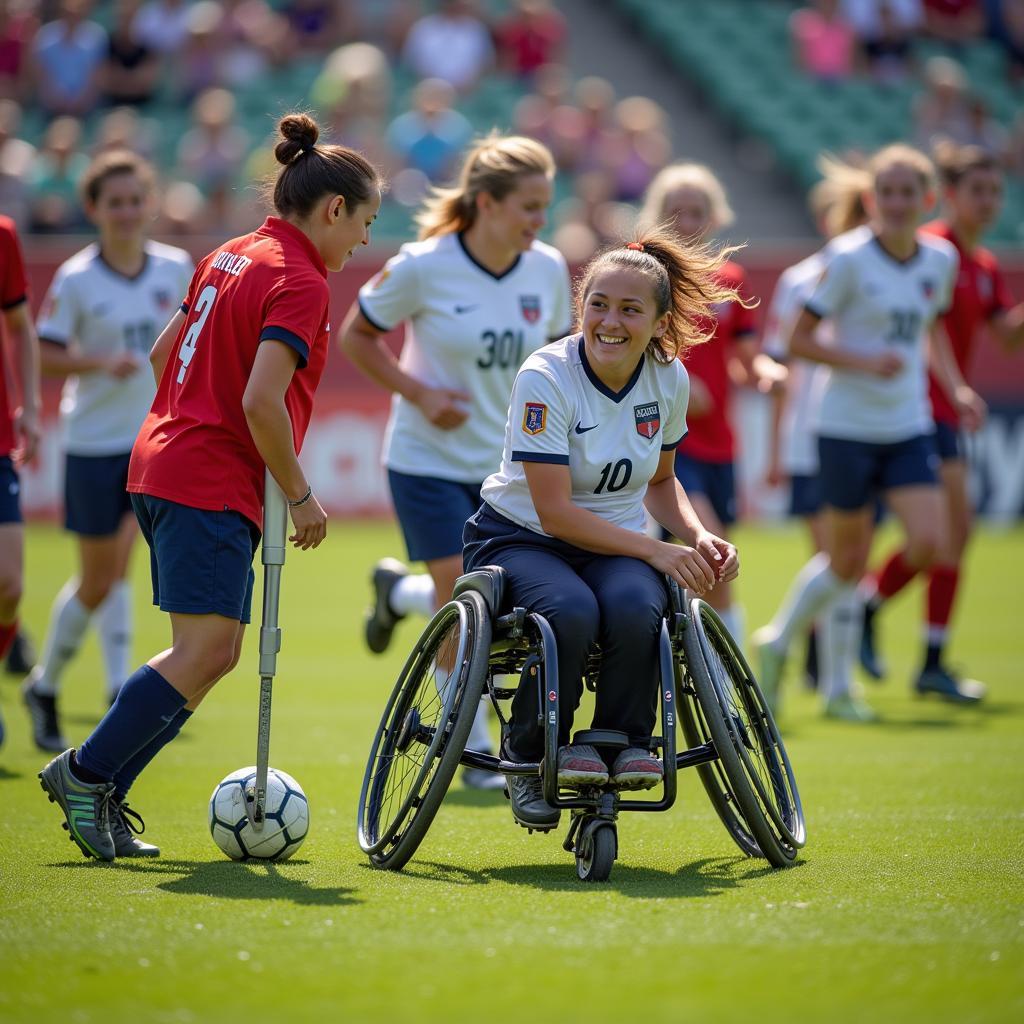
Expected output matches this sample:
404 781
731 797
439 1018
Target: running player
973 190
19 428
99 320
883 295
692 199
838 208
237 368
478 293
592 429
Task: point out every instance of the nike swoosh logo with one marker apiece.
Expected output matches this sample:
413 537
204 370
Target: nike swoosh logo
580 429
466 309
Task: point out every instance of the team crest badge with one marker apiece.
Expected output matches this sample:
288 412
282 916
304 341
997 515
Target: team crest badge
530 305
535 417
162 299
928 287
648 419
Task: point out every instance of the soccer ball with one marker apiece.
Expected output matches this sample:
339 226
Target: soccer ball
285 825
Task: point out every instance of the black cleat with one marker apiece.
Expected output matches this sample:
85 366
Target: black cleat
125 825
45 724
380 619
22 656
869 659
943 683
529 808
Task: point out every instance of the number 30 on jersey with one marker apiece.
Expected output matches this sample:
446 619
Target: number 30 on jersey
188 346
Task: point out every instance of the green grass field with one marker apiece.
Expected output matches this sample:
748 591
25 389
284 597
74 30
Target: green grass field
906 905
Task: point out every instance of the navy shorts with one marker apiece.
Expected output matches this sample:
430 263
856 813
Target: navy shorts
432 513
854 473
948 443
715 480
10 492
804 495
95 495
201 561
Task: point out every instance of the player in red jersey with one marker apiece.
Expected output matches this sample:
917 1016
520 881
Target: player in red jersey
237 367
973 193
692 199
19 428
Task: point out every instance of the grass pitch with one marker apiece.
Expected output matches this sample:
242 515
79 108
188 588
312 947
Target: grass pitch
906 904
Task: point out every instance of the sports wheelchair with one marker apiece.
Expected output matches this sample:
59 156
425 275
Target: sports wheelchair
476 639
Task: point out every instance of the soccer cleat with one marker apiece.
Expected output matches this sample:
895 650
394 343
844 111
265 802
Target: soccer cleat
480 778
579 764
380 619
848 708
21 656
772 661
942 682
86 806
42 709
869 659
636 768
125 824
529 808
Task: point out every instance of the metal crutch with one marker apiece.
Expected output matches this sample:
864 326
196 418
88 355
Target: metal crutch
275 534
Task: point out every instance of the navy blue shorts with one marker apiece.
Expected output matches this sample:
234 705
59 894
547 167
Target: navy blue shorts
432 513
95 495
715 480
854 473
201 561
804 495
948 443
10 492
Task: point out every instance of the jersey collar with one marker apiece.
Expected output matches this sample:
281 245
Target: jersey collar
117 273
275 227
599 385
490 273
893 259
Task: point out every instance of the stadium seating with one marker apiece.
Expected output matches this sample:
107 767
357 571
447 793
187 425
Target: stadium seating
737 53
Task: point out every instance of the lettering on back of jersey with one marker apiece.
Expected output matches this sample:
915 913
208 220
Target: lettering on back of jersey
230 263
530 306
648 419
535 417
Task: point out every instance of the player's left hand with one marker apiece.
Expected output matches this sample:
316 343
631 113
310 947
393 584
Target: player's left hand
720 555
28 433
972 408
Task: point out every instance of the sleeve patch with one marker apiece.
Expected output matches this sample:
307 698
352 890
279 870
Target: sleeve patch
535 418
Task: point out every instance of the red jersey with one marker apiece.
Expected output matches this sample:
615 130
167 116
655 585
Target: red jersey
710 438
194 446
980 293
13 292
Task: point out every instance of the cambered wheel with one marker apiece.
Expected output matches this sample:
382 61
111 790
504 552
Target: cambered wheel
753 765
596 849
423 731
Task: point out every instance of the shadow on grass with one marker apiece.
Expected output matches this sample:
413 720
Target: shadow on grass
6 773
223 879
707 877
475 797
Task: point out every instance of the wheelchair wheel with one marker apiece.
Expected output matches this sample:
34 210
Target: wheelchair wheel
596 848
752 756
423 731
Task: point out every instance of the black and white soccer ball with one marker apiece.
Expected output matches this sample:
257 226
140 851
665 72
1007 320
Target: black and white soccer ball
284 828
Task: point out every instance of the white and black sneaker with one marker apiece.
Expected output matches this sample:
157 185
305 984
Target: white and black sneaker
42 709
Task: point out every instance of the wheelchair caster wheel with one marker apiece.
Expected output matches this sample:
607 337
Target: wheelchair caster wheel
596 850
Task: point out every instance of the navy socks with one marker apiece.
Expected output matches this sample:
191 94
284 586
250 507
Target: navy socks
130 771
146 706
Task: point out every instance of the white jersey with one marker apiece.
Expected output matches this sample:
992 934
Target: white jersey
469 330
562 413
91 305
806 382
880 304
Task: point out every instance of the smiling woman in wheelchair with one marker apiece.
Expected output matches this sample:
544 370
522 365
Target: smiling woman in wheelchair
592 429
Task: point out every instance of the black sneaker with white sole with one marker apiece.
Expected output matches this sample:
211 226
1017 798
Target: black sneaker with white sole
380 620
42 709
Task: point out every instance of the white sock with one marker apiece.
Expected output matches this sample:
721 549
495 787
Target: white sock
837 645
814 587
68 621
735 622
114 622
480 734
413 594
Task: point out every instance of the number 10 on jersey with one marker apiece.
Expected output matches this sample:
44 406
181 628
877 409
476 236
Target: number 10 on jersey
188 346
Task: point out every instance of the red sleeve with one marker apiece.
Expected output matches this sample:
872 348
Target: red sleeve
1001 297
296 312
13 283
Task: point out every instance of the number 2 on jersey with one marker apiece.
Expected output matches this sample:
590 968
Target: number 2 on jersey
188 346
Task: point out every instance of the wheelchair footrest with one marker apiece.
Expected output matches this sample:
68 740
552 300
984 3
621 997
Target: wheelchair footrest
602 738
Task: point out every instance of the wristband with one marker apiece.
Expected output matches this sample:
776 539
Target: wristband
302 500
